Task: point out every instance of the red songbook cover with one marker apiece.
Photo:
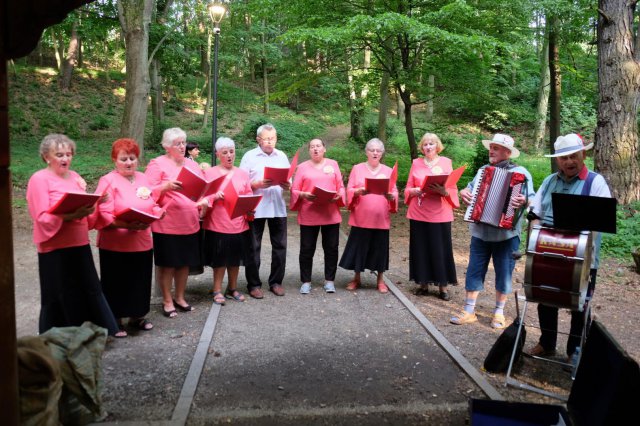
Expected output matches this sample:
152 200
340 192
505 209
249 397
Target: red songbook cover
323 195
195 187
281 174
294 164
377 186
239 205
393 179
132 214
72 201
448 181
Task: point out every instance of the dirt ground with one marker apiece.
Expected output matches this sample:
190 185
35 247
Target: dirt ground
615 305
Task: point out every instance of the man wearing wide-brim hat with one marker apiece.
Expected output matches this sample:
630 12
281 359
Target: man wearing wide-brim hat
489 242
573 177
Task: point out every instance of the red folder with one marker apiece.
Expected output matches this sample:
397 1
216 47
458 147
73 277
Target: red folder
323 196
239 205
72 201
195 186
132 214
377 186
281 174
448 181
394 177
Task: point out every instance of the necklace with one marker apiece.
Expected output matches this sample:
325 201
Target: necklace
373 170
431 163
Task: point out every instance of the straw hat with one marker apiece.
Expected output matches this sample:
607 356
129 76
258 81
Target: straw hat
505 141
568 144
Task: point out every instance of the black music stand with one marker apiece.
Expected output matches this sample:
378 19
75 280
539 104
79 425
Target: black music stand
577 213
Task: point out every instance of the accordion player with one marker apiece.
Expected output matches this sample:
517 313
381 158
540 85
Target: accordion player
491 197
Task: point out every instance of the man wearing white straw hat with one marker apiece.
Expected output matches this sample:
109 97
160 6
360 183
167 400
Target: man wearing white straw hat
491 242
573 177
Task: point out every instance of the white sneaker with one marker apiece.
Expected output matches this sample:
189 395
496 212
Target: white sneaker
329 287
305 288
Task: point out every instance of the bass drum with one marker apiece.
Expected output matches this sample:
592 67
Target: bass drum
557 269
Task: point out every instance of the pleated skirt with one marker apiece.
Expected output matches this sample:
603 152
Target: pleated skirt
176 251
431 253
222 250
366 248
126 281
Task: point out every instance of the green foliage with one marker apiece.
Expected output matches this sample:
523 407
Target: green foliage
578 115
100 122
370 130
495 120
627 238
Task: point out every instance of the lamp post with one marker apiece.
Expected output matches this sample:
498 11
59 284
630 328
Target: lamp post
216 12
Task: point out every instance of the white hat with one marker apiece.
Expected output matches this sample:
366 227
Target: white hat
505 141
568 144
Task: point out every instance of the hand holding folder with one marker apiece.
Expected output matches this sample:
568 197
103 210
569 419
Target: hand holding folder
132 214
239 205
323 196
195 186
72 201
448 181
278 175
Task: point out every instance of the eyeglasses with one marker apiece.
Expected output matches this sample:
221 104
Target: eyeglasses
176 144
380 151
272 139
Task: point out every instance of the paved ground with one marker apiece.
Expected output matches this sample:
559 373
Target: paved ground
343 358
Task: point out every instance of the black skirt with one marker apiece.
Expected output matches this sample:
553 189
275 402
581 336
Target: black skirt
431 253
126 281
221 250
176 251
70 291
366 248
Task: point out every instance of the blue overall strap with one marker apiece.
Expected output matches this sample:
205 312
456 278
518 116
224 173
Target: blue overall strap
586 189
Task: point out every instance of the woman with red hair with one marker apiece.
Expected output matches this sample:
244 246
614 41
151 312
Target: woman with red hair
126 247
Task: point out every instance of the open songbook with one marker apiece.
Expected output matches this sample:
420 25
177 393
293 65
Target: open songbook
323 195
131 214
239 205
280 175
377 185
195 186
448 181
72 201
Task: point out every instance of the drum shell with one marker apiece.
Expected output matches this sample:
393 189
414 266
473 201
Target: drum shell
557 268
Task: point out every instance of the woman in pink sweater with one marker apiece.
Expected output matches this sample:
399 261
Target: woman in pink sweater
228 243
430 215
370 219
317 194
126 245
176 244
70 292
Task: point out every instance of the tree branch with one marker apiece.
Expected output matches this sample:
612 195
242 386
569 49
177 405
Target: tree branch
605 17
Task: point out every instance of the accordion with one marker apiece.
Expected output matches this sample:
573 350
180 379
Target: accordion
491 197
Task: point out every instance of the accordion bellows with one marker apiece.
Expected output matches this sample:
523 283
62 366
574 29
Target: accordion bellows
491 197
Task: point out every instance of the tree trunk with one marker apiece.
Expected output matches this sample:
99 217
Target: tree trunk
265 75
58 46
432 86
80 53
135 16
157 105
616 152
399 105
556 86
383 109
71 60
543 97
405 95
354 111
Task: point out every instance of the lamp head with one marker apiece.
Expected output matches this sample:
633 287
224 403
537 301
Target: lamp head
216 12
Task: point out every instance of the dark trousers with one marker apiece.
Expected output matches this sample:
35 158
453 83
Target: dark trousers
278 237
548 317
308 240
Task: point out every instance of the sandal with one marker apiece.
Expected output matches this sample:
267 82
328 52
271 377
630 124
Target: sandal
142 324
464 317
498 322
183 308
121 333
421 290
169 314
235 295
382 288
444 295
353 285
218 298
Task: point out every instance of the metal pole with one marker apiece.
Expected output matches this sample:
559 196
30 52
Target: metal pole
214 121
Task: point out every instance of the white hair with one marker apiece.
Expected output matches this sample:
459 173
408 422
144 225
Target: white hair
266 126
374 141
224 142
170 135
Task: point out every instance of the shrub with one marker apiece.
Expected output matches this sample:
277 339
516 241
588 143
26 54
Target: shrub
495 120
627 238
100 122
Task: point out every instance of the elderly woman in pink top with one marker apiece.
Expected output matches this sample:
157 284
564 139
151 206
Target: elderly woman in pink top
228 243
317 194
430 215
176 244
370 219
70 292
126 246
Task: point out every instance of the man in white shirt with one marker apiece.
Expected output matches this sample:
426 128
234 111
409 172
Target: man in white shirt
271 210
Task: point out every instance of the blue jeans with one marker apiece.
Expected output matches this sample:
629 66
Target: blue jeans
503 262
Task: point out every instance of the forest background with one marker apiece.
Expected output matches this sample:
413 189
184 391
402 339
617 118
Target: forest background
388 69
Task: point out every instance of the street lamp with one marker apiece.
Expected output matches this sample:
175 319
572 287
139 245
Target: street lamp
216 12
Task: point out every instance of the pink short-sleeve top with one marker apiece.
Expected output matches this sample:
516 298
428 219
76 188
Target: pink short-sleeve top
370 210
430 206
218 219
307 177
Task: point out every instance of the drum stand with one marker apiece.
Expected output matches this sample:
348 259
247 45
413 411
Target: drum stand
522 385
